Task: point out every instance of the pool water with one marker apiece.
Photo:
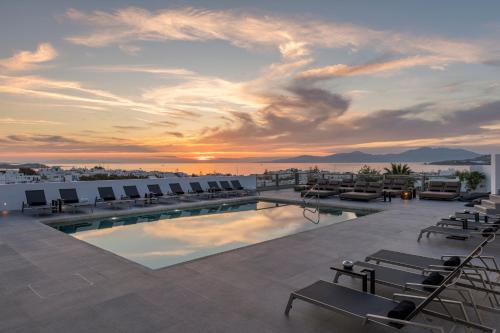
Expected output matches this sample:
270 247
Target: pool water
167 238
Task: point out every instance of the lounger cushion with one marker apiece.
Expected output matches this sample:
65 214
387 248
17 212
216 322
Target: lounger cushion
452 262
434 279
438 195
401 311
487 232
359 195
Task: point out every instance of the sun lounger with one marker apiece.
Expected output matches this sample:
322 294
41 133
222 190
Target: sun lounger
417 262
107 197
371 308
213 187
36 202
131 192
179 192
466 224
456 232
228 189
419 282
199 191
364 191
237 186
440 190
157 195
70 200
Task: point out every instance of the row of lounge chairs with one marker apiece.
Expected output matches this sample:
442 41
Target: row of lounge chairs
70 201
447 282
463 225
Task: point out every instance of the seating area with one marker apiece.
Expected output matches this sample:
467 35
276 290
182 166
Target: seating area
441 190
364 191
422 282
70 201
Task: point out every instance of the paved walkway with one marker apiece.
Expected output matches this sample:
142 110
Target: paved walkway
51 282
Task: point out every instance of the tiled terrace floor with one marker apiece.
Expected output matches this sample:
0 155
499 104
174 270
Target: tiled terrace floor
51 282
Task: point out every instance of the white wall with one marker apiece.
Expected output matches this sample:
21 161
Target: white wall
495 173
12 195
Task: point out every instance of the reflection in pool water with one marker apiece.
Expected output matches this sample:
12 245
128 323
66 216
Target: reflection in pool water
167 238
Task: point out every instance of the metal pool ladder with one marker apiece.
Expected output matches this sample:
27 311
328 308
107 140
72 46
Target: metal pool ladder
307 210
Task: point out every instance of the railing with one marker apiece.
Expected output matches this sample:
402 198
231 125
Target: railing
274 181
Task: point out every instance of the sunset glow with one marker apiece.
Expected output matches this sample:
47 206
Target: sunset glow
90 82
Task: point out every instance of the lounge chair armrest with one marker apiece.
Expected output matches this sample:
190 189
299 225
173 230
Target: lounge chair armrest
377 318
452 255
430 270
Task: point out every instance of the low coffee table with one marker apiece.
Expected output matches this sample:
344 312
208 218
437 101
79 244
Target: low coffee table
357 273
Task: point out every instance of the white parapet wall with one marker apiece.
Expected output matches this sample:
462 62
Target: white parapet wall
13 195
495 173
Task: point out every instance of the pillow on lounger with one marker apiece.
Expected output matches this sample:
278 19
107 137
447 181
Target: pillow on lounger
452 262
401 311
487 232
434 279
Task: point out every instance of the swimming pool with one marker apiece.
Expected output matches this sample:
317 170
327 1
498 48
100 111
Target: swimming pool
170 237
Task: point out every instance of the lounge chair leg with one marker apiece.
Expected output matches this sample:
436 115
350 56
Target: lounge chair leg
289 304
336 278
420 236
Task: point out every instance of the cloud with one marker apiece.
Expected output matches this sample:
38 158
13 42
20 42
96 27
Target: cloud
130 49
71 91
292 36
339 70
175 134
27 60
43 143
141 69
12 121
310 119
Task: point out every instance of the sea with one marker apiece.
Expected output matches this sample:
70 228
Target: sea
259 168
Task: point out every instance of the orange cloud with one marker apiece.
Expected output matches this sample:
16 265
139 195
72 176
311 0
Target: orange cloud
27 60
329 72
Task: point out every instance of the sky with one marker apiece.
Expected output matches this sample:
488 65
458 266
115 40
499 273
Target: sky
173 81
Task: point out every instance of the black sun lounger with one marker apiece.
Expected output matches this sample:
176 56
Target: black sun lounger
237 186
228 189
158 196
178 191
417 262
213 186
36 201
131 192
176 188
405 280
107 196
455 232
379 310
466 224
198 190
70 199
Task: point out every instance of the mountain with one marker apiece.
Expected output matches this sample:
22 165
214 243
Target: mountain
6 165
424 154
481 160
